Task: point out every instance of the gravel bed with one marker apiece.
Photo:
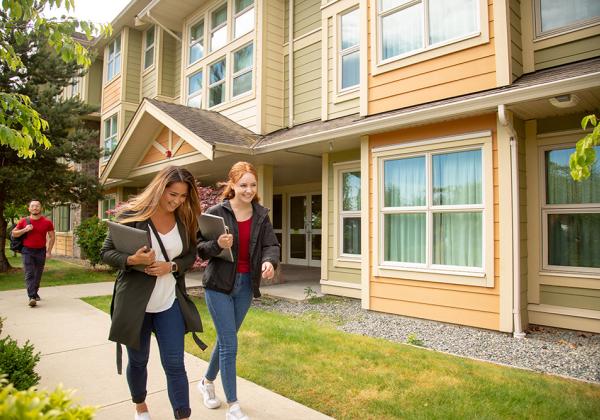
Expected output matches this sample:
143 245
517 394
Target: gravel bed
555 351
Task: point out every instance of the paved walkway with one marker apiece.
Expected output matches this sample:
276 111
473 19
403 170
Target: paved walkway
72 338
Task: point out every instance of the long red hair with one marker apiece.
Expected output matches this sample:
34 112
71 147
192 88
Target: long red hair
237 171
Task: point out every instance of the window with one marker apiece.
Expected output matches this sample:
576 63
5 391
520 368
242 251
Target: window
243 17
242 70
195 90
278 216
431 210
349 213
62 221
218 28
196 50
349 59
570 215
216 87
76 81
113 66
553 16
108 203
149 50
110 136
410 26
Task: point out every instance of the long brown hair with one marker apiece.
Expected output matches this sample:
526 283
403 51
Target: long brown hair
143 206
237 171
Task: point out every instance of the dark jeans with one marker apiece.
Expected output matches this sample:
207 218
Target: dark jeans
228 312
34 260
169 328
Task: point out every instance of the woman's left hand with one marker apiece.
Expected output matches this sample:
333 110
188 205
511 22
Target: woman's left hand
267 270
158 268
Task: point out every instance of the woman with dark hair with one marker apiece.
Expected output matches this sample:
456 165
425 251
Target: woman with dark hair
156 299
229 286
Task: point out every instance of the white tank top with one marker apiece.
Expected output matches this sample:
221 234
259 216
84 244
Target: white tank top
163 295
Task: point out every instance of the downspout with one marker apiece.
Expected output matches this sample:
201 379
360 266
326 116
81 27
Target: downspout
291 64
516 220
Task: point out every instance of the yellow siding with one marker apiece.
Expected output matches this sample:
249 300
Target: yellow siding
468 305
111 94
133 66
63 244
450 75
307 84
244 114
516 43
273 95
307 16
153 156
569 52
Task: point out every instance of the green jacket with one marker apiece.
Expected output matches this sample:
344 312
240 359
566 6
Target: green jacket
133 289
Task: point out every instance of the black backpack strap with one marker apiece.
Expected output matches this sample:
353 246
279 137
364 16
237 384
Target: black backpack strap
162 247
199 342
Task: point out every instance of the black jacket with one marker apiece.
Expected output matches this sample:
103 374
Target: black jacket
133 290
220 274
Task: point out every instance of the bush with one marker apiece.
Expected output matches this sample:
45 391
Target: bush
90 237
34 404
18 363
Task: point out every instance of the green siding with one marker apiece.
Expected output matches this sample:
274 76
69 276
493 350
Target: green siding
567 53
570 297
516 47
94 87
128 116
133 64
149 87
307 84
273 66
171 62
562 123
307 16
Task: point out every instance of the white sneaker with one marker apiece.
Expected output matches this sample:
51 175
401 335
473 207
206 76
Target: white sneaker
142 416
208 394
235 413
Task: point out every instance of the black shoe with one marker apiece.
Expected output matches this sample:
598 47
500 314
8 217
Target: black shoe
32 302
37 297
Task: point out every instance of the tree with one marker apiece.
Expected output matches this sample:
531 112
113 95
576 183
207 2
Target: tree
584 156
21 125
50 174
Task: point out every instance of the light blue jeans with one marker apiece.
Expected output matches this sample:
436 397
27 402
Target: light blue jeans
228 312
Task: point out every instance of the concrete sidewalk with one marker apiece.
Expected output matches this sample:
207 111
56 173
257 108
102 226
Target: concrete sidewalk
72 338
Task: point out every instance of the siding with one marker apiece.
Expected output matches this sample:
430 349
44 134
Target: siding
468 305
453 74
516 39
128 116
94 87
149 85
244 114
570 297
520 128
133 66
171 62
307 16
273 69
307 84
111 94
567 53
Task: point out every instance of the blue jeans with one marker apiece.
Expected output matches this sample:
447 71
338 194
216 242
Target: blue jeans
34 260
228 312
169 328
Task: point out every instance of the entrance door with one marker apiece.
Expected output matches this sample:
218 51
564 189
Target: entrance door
304 233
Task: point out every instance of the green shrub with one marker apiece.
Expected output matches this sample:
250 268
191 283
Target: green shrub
90 237
17 363
34 404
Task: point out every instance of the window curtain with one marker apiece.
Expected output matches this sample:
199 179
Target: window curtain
405 237
402 32
451 19
457 239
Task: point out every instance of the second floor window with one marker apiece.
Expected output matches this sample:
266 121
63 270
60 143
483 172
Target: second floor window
218 28
409 26
216 88
195 90
349 60
242 70
110 136
113 64
557 15
244 17
196 50
149 50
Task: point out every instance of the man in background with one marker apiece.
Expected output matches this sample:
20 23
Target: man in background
37 246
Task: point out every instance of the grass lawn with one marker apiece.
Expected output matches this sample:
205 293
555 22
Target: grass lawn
353 377
56 273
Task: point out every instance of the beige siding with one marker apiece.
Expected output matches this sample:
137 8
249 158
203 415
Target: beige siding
286 92
567 53
244 114
337 273
133 65
307 84
94 85
128 116
570 297
273 95
516 40
149 80
171 63
307 16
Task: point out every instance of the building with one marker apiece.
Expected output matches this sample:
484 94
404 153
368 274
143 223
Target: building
417 151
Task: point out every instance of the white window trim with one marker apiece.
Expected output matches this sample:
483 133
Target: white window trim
103 216
198 41
212 30
575 26
341 259
148 47
379 66
249 69
483 276
223 81
195 94
104 134
341 53
238 14
547 209
110 61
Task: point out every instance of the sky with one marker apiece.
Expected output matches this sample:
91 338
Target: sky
103 11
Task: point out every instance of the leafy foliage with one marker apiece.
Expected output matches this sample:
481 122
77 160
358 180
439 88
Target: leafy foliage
17 363
90 237
584 156
33 404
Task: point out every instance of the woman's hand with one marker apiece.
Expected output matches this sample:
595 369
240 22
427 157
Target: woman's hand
267 271
158 268
143 256
225 240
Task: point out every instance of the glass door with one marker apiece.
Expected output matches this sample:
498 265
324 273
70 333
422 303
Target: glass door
304 233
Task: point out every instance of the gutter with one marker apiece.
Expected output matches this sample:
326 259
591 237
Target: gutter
516 219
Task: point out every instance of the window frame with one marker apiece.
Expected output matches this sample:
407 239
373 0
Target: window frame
191 42
146 66
110 60
240 13
107 198
547 209
58 218
342 259
111 137
341 53
475 276
212 30
199 92
222 81
577 25
242 72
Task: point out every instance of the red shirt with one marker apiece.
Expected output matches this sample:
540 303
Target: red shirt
36 238
243 260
